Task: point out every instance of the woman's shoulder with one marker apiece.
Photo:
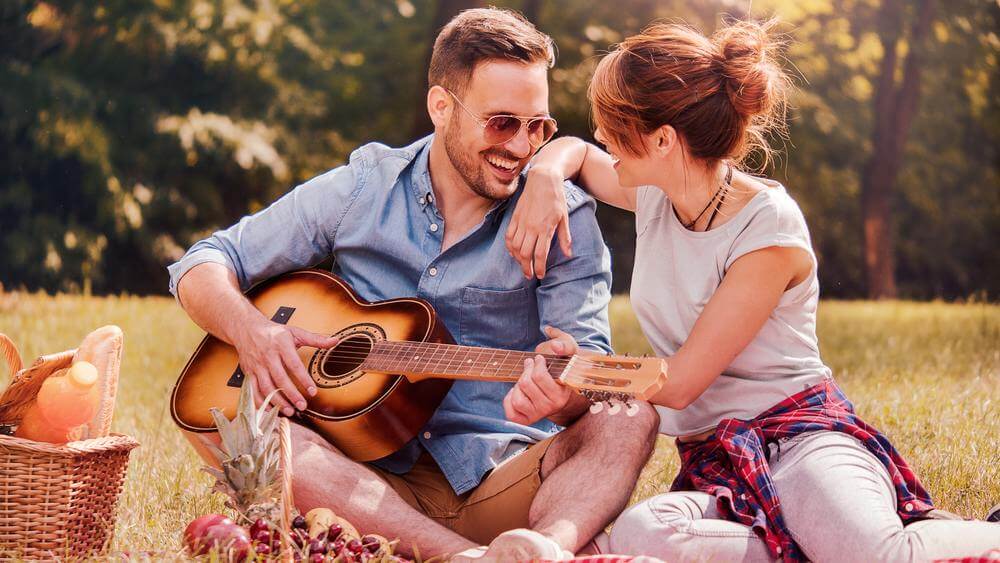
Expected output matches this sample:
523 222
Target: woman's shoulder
773 209
770 218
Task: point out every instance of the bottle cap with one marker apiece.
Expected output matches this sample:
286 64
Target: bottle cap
82 374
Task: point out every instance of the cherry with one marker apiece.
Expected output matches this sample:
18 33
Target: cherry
334 532
261 536
370 544
317 546
317 558
262 549
336 547
258 526
299 522
354 546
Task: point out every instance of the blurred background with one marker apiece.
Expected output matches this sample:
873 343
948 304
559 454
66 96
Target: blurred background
131 128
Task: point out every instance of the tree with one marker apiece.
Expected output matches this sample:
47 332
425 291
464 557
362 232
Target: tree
895 104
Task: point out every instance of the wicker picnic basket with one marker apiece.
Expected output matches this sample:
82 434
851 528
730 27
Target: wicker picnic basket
57 501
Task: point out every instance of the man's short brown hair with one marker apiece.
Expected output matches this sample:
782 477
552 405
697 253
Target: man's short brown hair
483 34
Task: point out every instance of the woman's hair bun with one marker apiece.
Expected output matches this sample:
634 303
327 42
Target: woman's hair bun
752 79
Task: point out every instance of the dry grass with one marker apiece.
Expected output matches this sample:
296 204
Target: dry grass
928 375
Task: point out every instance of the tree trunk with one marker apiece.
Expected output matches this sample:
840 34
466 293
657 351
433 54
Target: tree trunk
894 108
530 10
446 9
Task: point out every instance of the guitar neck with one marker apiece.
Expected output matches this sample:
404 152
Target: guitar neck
421 360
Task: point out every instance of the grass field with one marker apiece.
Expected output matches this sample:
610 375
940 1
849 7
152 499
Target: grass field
928 375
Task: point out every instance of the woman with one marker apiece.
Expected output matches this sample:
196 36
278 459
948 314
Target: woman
775 464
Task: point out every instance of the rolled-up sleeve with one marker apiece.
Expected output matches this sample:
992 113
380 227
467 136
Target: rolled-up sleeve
575 292
296 231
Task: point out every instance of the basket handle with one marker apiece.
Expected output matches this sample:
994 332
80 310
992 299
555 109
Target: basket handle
24 386
285 464
11 354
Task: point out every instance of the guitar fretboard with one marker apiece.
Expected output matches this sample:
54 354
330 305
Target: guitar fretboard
427 358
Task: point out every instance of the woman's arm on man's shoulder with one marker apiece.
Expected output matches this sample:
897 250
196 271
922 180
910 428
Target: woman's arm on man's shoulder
541 211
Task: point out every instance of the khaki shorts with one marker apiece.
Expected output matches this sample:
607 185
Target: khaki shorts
500 502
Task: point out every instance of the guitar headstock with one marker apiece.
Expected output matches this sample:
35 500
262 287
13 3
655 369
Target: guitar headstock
615 380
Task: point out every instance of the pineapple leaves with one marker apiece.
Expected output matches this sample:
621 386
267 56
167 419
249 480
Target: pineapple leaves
248 456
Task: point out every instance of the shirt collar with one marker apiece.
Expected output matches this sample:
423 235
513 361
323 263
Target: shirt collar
423 193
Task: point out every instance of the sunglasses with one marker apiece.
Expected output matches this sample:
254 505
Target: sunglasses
499 129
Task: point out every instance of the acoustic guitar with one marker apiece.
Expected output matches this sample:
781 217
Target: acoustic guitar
394 363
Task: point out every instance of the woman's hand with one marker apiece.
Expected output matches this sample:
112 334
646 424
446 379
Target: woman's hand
540 212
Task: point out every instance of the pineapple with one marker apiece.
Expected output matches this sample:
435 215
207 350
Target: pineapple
250 459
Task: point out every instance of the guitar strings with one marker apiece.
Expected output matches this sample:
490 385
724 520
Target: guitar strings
364 353
511 364
431 348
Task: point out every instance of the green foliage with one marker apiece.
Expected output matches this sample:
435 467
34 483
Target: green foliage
128 130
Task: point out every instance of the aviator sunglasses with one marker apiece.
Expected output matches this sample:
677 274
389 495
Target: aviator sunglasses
498 129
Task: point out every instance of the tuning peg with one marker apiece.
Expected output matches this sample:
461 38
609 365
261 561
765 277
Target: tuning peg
631 409
596 407
615 407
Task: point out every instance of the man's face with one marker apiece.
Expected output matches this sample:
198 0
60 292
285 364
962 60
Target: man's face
495 88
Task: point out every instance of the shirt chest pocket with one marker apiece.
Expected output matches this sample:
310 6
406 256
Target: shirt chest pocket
499 318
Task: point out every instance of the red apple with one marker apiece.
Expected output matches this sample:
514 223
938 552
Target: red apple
228 538
195 532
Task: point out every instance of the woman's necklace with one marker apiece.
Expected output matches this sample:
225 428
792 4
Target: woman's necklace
723 186
722 198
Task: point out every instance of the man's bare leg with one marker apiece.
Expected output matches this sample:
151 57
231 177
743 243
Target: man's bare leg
589 473
323 477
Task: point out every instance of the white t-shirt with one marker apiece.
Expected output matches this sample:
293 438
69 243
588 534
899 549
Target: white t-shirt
677 271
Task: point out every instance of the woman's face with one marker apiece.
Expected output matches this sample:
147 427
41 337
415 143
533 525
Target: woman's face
632 170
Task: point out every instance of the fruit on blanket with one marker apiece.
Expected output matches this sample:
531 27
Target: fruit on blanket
319 520
348 531
229 538
259 525
249 459
354 546
375 544
194 534
317 546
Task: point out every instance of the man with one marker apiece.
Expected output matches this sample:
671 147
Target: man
428 220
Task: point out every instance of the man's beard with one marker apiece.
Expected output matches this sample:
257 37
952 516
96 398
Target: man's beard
470 169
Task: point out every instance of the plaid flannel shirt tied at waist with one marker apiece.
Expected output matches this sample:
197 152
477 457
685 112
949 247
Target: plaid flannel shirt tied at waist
732 465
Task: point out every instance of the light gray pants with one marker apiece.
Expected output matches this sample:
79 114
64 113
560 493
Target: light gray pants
838 502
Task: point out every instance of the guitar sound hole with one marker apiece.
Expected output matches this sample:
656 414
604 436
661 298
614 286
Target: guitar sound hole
346 356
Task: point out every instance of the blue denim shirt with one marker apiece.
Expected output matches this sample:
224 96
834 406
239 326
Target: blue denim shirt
377 216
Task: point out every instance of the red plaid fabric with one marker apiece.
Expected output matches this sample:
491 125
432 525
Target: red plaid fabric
992 556
732 464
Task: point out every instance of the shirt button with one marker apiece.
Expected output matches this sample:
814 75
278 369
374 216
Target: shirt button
434 227
427 435
421 200
433 271
430 197
779 550
909 506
